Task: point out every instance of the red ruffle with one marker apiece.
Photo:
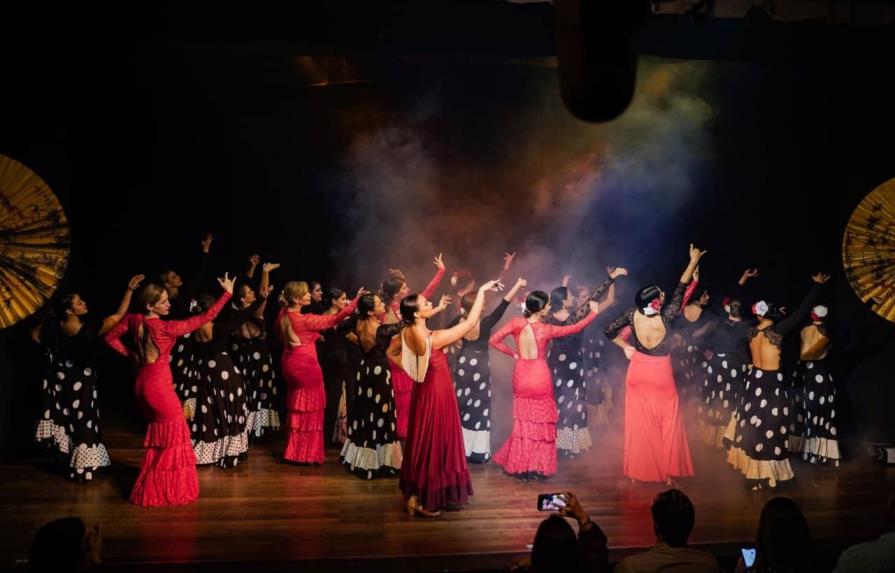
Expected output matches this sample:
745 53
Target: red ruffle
168 472
306 399
535 410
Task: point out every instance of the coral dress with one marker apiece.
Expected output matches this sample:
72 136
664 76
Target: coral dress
434 467
305 393
531 446
168 472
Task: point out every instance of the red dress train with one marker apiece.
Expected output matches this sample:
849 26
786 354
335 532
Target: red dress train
531 446
168 472
305 393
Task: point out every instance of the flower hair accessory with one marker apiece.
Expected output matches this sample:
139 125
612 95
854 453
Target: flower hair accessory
653 307
524 308
194 304
725 303
760 308
454 280
819 313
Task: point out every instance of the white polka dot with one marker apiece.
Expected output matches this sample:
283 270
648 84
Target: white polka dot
461 372
485 413
462 360
724 364
758 391
369 392
211 363
573 365
777 451
466 392
811 395
477 403
764 403
810 365
769 434
478 425
570 383
476 376
60 375
775 411
759 373
759 447
473 362
75 404
225 375
377 370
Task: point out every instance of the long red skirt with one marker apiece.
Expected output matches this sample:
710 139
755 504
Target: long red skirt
434 467
305 405
531 446
655 440
403 385
168 472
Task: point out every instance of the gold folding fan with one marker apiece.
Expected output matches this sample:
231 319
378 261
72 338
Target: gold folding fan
868 250
34 242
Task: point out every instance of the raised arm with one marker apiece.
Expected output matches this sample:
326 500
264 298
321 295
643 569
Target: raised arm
429 291
508 259
448 336
125 303
695 255
177 328
113 337
496 340
672 308
327 321
195 285
784 326
234 319
494 317
556 331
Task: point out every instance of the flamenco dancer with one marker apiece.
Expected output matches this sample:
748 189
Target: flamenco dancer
305 394
168 472
434 474
181 298
371 447
759 441
723 367
598 392
530 451
819 444
69 423
472 376
395 289
219 425
252 355
333 353
686 353
655 448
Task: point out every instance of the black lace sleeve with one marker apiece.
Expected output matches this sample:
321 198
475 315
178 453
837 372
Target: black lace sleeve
493 318
600 291
615 327
672 308
787 324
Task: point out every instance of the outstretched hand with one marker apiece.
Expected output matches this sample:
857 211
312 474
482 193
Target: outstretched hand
521 282
444 302
226 283
615 272
206 243
594 306
264 293
361 292
695 253
508 260
565 280
494 285
748 274
267 267
820 278
135 281
439 262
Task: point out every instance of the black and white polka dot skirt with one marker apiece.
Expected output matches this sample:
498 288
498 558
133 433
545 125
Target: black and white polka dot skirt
219 426
721 379
472 381
820 443
372 448
592 349
69 420
685 360
569 389
256 363
182 363
759 432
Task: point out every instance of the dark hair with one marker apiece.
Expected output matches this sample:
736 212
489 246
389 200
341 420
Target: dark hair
58 546
558 296
203 302
366 304
783 543
698 293
409 305
314 284
331 295
535 302
673 517
391 286
736 307
63 304
646 295
464 279
467 301
555 547
163 276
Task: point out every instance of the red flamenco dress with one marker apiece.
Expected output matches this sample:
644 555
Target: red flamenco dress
168 472
401 382
434 467
655 446
531 447
305 393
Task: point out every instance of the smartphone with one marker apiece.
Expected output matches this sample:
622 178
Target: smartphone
748 556
552 501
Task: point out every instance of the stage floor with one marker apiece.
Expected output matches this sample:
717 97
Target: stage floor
264 510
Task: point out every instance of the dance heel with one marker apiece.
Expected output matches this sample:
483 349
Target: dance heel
413 508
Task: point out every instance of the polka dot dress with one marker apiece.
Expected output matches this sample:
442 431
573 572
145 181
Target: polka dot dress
253 358
69 421
820 443
685 360
472 382
182 363
371 449
219 425
760 439
722 376
566 363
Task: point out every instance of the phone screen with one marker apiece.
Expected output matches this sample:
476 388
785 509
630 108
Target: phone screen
551 501
748 556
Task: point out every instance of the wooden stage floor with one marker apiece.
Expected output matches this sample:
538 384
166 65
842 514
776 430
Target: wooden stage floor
330 520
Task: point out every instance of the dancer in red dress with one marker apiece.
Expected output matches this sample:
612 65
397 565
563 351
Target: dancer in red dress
656 446
394 289
530 451
305 393
168 472
434 474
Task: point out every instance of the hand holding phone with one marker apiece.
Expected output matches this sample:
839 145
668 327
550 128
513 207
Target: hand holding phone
552 501
748 556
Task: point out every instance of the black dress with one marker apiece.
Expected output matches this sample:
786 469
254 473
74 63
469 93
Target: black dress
332 352
181 358
372 448
815 423
472 381
253 357
219 424
69 418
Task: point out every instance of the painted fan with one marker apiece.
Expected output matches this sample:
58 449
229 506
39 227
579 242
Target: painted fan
34 242
868 250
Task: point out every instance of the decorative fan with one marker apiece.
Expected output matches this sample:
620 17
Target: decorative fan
34 242
868 250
